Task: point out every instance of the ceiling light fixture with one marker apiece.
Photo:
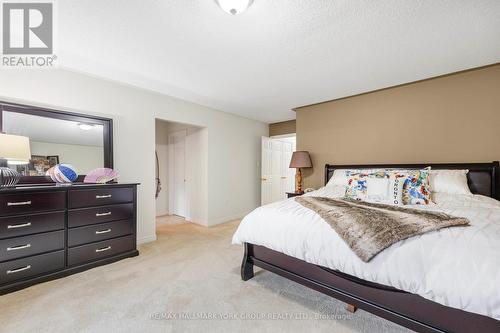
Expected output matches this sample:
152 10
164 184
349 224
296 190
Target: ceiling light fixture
234 7
86 127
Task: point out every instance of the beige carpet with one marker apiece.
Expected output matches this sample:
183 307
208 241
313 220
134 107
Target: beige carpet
177 284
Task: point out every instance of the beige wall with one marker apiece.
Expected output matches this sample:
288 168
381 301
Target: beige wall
454 118
284 127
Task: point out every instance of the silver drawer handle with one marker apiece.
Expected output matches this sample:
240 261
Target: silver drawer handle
23 203
20 247
15 226
18 270
103 196
98 232
103 249
103 214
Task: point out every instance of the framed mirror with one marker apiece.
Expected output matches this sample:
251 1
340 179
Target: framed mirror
85 142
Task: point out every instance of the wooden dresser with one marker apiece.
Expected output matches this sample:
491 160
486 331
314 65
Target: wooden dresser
50 231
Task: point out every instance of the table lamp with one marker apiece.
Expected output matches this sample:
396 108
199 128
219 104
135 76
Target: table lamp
300 159
14 149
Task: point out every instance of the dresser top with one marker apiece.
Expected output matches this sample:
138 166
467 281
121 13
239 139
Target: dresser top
56 187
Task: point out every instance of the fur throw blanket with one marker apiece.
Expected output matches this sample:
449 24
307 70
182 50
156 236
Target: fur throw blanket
369 228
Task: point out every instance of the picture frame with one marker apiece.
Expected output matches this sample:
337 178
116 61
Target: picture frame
38 165
53 160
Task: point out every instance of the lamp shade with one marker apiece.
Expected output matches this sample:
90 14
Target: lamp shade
15 149
301 159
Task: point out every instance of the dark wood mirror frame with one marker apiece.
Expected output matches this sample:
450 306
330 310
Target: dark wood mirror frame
63 115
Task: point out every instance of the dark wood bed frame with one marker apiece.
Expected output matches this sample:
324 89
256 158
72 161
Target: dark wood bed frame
403 308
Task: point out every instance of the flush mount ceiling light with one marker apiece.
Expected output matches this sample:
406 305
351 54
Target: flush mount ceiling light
234 7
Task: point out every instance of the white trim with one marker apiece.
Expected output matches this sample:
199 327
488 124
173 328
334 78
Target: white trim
146 239
224 219
284 136
203 223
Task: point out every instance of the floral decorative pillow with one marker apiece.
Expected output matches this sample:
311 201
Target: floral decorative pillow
356 185
416 189
382 186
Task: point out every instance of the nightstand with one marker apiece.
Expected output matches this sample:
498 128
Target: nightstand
293 194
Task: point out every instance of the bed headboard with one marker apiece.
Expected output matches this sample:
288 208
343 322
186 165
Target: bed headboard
483 178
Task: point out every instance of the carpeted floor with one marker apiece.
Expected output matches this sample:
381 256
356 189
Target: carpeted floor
186 281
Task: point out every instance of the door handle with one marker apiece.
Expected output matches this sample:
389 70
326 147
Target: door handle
283 177
263 179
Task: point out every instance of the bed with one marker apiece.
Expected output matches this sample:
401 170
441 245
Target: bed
478 309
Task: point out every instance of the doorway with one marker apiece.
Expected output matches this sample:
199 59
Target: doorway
182 168
276 176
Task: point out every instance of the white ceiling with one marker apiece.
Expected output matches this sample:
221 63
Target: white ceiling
51 130
278 55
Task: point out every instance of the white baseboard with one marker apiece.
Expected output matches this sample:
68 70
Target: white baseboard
198 222
220 220
146 239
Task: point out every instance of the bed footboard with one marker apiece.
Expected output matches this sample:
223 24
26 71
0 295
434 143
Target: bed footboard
409 310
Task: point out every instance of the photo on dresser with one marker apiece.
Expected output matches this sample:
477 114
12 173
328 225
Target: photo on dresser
53 160
38 165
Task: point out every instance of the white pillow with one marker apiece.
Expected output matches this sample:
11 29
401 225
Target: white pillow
338 178
449 181
385 190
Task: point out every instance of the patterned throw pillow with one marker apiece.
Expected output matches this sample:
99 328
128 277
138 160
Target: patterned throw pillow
383 186
356 185
416 189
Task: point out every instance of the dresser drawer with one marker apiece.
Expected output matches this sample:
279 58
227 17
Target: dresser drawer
95 251
86 216
98 197
14 226
31 202
31 266
19 247
99 232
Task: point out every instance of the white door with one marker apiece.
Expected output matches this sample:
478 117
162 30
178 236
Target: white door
277 188
287 174
276 156
265 187
177 173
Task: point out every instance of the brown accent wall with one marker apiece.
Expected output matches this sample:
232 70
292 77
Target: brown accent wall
284 127
455 118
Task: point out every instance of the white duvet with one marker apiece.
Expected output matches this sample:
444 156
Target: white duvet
457 267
